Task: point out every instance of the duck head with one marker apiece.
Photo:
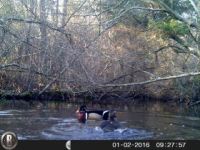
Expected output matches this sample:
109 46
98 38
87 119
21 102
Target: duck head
81 114
113 116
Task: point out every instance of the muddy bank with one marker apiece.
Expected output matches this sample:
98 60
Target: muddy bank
88 96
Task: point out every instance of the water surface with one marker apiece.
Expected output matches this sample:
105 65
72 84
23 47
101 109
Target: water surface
57 121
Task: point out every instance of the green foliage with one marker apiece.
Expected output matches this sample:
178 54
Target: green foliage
173 27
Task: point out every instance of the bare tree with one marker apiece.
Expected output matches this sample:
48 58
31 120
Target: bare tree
43 31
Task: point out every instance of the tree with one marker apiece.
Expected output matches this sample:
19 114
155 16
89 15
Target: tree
43 31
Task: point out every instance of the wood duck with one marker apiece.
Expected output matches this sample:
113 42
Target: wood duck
111 124
83 114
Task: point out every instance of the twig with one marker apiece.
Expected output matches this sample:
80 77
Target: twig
195 103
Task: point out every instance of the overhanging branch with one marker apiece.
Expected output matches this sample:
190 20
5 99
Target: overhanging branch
153 80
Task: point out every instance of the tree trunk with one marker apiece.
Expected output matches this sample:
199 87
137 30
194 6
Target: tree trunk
64 13
43 31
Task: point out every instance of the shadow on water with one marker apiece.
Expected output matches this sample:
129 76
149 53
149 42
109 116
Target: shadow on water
56 121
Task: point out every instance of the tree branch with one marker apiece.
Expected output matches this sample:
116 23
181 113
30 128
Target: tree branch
49 25
195 7
152 81
171 46
177 16
52 81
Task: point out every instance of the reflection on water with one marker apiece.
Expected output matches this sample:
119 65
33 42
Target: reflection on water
57 121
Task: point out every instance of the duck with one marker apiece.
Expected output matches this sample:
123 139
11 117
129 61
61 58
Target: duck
83 114
111 124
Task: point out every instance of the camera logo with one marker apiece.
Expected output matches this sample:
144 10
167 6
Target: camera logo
9 140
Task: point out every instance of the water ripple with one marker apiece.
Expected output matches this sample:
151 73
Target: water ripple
70 129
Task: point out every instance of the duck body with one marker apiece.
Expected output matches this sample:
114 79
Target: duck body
111 124
83 115
97 114
108 125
